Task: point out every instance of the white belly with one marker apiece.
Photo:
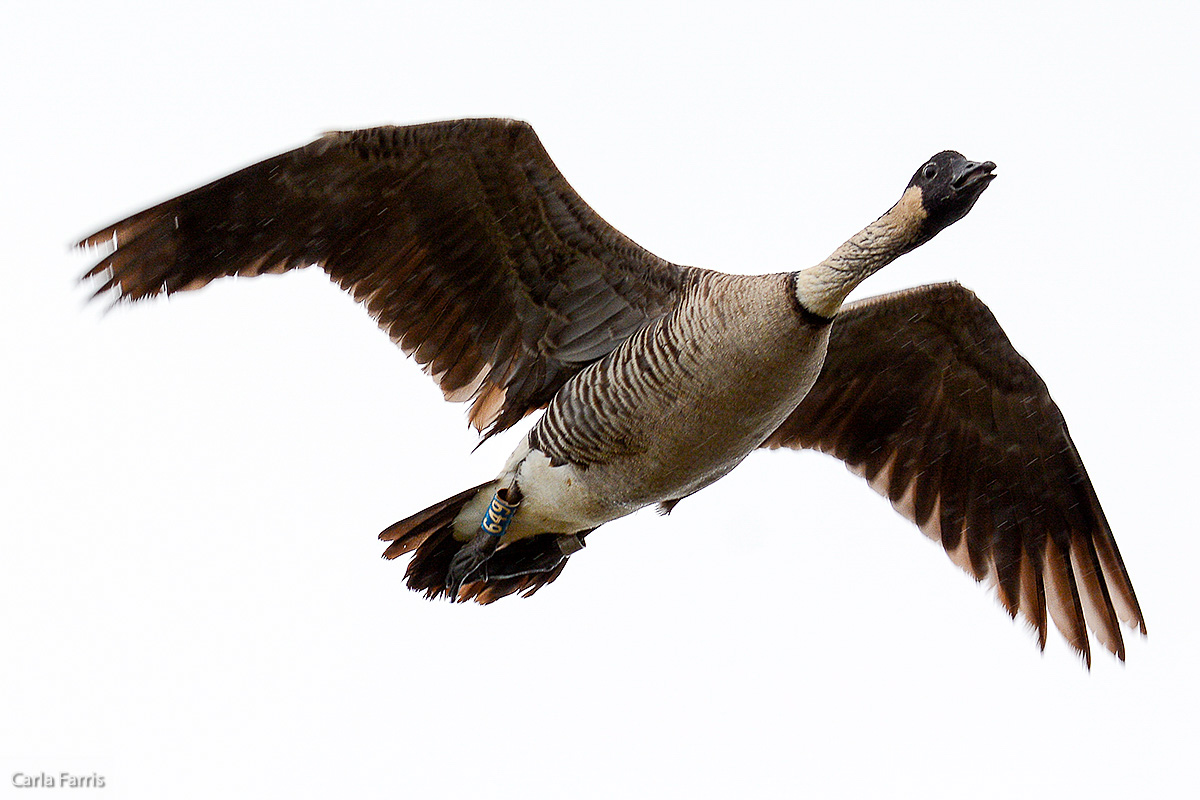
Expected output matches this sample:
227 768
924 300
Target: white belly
555 499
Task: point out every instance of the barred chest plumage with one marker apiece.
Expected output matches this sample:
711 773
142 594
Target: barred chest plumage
684 401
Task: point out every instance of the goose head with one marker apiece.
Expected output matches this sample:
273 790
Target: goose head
946 186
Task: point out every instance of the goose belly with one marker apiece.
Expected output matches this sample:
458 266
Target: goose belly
662 417
711 424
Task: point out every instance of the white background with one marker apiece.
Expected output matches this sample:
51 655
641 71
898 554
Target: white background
192 602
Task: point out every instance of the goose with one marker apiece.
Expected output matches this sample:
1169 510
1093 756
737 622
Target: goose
473 253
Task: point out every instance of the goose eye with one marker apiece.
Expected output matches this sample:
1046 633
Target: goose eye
929 172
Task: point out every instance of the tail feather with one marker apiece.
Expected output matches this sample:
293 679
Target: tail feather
522 566
409 534
430 565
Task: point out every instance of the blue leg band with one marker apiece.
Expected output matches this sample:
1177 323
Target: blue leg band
498 515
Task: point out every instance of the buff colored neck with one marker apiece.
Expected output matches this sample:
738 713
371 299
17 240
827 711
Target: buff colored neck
823 288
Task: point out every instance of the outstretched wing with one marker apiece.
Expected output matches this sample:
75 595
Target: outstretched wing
461 238
924 396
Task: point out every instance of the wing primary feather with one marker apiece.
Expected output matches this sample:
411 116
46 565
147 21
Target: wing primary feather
1033 593
1062 599
1097 606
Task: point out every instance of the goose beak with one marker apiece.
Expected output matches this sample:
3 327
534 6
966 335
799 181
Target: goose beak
972 174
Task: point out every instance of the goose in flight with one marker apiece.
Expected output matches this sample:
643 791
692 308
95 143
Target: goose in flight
470 249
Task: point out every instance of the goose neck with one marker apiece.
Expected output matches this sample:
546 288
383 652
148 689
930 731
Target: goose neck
823 288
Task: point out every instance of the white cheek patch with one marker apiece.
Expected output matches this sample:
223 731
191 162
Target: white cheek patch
909 213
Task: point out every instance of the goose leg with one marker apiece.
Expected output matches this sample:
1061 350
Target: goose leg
475 553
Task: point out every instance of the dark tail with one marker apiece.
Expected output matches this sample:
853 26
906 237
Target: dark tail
522 566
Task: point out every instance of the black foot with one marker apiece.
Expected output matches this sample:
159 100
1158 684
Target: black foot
470 557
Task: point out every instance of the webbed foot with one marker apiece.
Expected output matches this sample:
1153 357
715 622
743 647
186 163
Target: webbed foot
467 561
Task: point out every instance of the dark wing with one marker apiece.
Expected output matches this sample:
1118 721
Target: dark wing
924 396
461 238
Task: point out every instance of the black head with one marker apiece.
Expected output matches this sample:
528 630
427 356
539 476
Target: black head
949 186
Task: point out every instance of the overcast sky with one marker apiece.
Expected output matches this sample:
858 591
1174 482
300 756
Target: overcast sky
192 602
